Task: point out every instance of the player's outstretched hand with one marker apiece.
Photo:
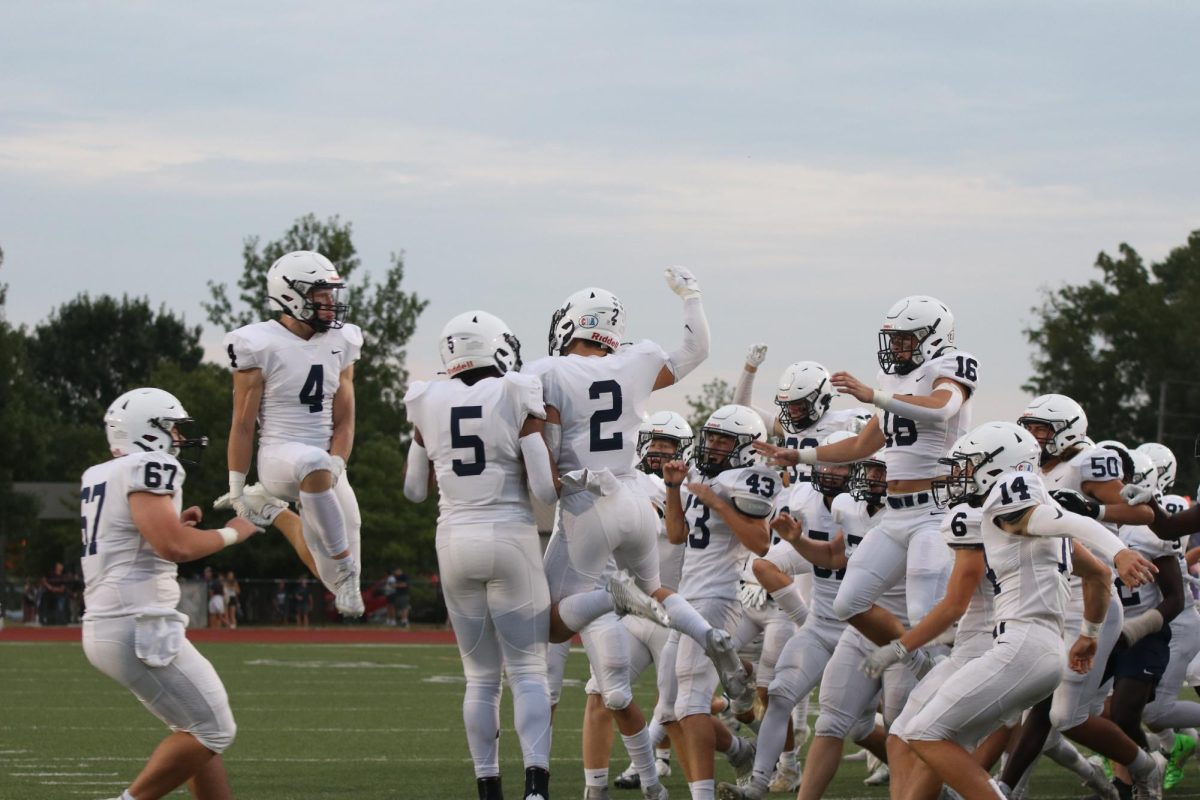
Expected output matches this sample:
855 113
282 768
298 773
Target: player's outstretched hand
846 383
675 471
788 527
752 596
1133 568
244 527
1137 495
778 456
1076 503
756 355
682 282
191 517
1083 652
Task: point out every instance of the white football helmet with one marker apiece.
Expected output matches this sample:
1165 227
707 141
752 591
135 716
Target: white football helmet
741 423
1125 454
806 383
1063 416
832 479
142 420
1164 462
663 425
1145 473
478 340
983 455
293 278
925 318
594 315
868 479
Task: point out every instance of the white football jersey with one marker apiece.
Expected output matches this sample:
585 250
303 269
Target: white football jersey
670 556
807 506
961 528
300 377
912 448
835 419
1174 503
1031 571
601 401
1147 596
472 436
855 521
122 574
714 554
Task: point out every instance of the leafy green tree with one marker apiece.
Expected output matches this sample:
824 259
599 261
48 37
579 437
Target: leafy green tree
1122 345
714 394
89 351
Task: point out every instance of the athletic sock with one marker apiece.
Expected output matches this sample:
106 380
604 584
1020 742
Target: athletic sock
596 777
663 754
641 753
703 790
1140 766
686 619
791 602
325 513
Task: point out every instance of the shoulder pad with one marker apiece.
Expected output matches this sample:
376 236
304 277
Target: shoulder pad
352 334
1015 491
528 394
958 366
157 473
415 390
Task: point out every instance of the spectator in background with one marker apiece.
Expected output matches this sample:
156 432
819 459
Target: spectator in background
302 597
54 596
216 604
74 597
279 603
400 601
439 615
389 599
232 592
29 602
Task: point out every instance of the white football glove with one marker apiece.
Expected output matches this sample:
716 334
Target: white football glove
254 505
339 468
682 282
883 657
752 596
1137 495
756 354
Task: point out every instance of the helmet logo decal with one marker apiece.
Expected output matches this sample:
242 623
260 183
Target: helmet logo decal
588 321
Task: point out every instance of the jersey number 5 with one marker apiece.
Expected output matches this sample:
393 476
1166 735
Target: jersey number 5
462 441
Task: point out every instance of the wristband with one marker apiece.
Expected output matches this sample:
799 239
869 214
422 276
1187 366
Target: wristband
672 485
1091 629
1100 514
237 483
807 455
229 535
881 398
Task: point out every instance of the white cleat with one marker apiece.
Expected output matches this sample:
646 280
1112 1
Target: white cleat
743 762
347 596
595 793
1099 783
628 598
731 791
785 780
1151 787
880 777
655 792
663 768
719 648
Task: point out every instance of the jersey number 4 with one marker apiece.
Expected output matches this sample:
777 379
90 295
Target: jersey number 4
312 394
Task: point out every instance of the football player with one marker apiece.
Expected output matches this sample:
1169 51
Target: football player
481 431
924 407
135 531
596 389
1022 531
294 375
720 513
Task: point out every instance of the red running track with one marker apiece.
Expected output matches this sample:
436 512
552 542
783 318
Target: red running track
344 635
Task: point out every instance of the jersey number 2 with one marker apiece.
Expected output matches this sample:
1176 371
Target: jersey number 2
600 444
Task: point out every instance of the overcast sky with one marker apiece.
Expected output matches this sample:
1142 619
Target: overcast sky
811 162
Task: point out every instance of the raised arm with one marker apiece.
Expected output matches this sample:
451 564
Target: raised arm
696 338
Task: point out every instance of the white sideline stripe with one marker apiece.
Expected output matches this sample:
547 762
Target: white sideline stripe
63 774
292 729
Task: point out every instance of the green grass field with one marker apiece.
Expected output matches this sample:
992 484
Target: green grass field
315 721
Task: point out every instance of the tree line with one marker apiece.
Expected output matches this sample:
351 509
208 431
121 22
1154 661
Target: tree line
1120 344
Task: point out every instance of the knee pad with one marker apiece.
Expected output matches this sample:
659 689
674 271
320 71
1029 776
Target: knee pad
618 699
313 459
836 724
217 734
847 605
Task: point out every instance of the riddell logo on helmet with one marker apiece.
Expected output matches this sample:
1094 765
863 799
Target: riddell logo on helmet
457 368
605 339
588 321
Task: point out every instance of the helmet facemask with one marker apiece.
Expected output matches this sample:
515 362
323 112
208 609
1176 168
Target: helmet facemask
801 413
171 427
959 485
901 356
655 449
320 297
1047 431
715 450
868 481
831 479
